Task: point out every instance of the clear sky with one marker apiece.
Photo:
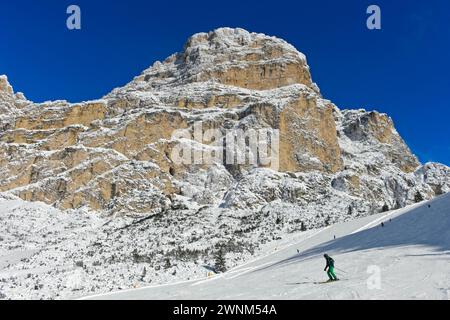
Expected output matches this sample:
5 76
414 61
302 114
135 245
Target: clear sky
402 69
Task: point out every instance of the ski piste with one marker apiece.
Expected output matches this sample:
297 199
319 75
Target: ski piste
363 249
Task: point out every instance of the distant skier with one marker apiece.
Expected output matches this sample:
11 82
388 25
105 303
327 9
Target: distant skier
330 267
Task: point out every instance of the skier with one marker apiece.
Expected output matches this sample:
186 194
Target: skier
330 267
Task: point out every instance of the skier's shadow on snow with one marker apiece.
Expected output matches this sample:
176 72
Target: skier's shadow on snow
422 226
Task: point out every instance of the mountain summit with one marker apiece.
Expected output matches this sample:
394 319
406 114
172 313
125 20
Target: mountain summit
233 57
114 154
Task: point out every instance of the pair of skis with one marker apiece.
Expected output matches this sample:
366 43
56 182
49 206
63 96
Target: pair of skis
315 282
328 281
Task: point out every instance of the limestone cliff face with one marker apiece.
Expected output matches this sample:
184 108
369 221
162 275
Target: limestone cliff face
9 100
377 130
232 57
114 154
308 137
5 88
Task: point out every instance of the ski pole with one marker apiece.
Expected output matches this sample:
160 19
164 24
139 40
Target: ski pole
341 270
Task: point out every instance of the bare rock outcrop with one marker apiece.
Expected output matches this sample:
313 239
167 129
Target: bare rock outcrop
115 154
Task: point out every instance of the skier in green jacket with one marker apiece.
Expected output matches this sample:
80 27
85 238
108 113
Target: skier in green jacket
330 267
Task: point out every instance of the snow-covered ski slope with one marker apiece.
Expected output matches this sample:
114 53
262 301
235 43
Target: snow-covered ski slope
408 258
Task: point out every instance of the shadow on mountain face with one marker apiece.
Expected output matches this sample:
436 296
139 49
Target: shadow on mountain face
426 225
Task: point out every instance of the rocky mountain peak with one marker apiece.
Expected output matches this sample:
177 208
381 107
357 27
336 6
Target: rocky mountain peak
5 87
9 101
7 92
233 57
115 154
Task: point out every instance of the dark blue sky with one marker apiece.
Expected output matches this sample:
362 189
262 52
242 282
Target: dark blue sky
402 70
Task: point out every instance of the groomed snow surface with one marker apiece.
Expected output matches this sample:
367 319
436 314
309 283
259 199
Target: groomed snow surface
407 258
